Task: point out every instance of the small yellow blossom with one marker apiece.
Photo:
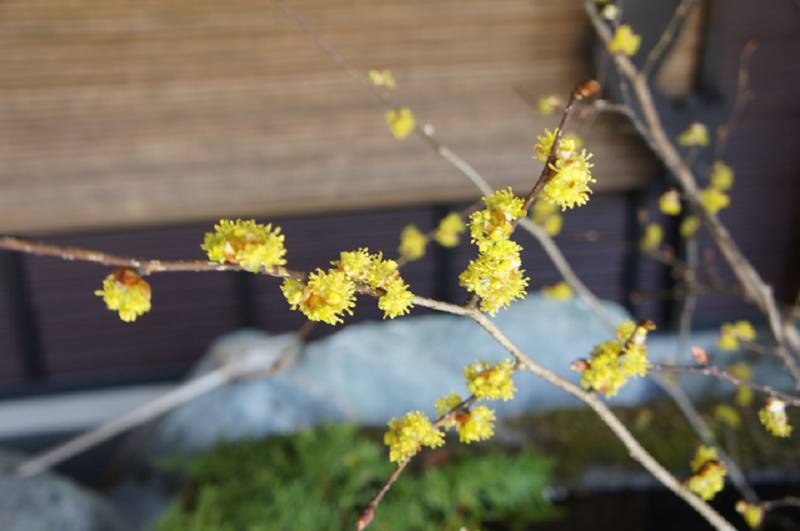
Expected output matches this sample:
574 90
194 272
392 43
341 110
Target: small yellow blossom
544 144
653 235
727 415
325 296
475 425
491 382
251 245
412 243
382 78
752 514
614 362
377 273
568 185
695 135
570 173
127 293
571 142
401 122
397 300
496 221
773 417
495 276
721 176
670 203
560 291
449 230
744 395
709 473
714 200
408 434
357 265
689 226
447 403
625 41
708 480
731 333
701 456
547 104
546 215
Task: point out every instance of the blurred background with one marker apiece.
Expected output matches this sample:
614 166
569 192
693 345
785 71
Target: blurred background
133 126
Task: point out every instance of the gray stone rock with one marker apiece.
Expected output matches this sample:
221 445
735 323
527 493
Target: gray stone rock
48 502
370 372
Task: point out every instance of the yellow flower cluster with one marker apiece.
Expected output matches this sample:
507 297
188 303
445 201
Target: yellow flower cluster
570 177
546 215
412 243
625 41
614 362
408 434
495 275
721 176
653 235
560 291
670 203
127 293
773 417
449 231
382 78
744 395
731 333
752 514
695 135
714 200
472 425
709 473
401 122
689 226
491 382
325 296
379 274
250 245
727 415
547 104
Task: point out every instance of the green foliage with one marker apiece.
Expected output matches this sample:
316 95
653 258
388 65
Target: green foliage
319 480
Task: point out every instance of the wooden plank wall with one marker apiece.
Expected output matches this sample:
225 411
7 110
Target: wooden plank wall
132 112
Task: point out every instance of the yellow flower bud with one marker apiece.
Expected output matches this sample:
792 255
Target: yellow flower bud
126 293
625 41
401 122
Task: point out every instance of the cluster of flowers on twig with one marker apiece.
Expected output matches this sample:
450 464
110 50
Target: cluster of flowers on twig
773 417
570 171
495 275
731 334
447 234
485 381
614 362
126 293
709 472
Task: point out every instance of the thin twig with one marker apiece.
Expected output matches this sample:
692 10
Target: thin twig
368 513
755 288
716 372
180 395
744 95
666 37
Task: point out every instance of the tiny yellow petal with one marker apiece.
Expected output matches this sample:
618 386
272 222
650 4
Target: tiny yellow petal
625 41
401 122
412 243
126 293
695 135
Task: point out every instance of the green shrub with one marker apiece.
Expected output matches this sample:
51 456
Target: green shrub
320 479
